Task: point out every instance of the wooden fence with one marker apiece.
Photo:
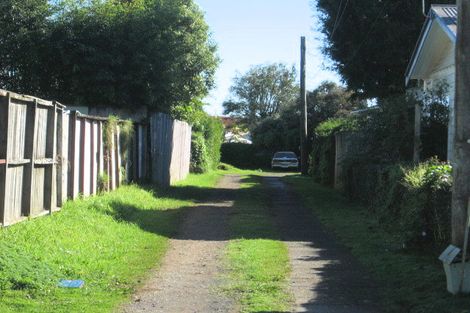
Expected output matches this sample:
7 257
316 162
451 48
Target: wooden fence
95 165
28 156
139 159
49 155
171 148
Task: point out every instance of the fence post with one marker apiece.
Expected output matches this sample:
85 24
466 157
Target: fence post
81 175
51 174
72 152
93 158
117 156
28 201
100 152
5 120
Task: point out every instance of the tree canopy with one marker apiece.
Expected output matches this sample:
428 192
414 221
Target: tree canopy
371 42
262 92
283 132
130 53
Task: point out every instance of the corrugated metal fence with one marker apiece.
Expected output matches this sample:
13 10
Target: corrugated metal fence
48 155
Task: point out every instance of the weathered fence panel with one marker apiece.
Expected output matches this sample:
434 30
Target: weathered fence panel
90 159
28 156
181 154
170 143
137 166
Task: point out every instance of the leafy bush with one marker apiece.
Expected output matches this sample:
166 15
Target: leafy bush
207 137
199 156
213 136
277 134
322 157
415 201
333 125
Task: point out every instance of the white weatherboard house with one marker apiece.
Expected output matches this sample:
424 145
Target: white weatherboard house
433 60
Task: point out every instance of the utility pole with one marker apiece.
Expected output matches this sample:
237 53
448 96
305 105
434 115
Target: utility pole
303 110
461 162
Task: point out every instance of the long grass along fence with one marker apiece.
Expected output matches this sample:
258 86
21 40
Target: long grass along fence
49 155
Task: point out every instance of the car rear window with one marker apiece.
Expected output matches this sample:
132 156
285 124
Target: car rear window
285 155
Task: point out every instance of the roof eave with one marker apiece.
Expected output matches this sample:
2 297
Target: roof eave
432 16
418 47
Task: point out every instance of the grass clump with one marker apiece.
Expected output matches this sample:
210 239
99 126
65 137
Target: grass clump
258 261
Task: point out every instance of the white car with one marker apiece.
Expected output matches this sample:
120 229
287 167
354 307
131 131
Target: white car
285 159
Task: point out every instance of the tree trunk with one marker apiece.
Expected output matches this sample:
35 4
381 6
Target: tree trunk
461 164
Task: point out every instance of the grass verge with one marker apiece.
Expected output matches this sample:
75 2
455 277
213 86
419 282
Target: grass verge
109 241
258 262
412 281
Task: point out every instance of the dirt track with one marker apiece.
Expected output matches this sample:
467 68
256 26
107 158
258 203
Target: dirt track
190 275
325 278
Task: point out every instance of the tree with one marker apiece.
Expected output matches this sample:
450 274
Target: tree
330 100
154 53
264 91
326 101
24 26
371 42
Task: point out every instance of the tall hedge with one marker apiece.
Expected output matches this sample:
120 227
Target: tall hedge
207 138
322 157
245 156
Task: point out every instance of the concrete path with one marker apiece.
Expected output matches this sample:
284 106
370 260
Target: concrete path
190 275
325 277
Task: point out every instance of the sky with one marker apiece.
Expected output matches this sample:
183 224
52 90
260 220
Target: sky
252 32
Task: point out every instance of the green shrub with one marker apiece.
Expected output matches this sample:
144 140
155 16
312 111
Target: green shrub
322 157
334 125
433 194
322 160
213 136
199 156
207 138
414 202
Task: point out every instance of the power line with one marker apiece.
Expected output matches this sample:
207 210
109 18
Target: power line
337 16
340 18
366 37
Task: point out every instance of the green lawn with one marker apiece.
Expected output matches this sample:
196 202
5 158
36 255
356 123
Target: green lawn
109 241
258 262
413 281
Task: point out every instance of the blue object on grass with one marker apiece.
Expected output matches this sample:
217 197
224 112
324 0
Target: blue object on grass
67 283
